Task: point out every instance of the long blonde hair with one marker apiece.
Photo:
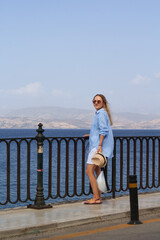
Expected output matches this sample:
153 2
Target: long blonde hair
106 106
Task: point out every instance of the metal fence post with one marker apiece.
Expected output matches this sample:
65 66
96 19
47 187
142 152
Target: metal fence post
133 200
39 202
114 171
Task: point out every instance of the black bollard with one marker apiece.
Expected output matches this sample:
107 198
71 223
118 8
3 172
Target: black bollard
39 202
133 200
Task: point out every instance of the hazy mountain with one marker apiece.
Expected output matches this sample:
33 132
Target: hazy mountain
137 117
58 117
51 117
51 113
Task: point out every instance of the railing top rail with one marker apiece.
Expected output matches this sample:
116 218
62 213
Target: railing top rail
68 137
78 137
19 138
134 136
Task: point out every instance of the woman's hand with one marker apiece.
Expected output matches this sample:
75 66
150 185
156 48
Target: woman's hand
86 136
99 149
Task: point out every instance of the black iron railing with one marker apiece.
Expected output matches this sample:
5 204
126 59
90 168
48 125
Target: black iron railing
40 169
138 156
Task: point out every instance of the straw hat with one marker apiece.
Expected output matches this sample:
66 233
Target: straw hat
99 159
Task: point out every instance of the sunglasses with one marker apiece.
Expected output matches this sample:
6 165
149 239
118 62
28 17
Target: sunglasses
97 101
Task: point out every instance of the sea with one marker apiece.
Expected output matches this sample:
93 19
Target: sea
28 133
19 133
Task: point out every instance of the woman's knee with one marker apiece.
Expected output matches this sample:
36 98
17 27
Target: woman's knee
87 172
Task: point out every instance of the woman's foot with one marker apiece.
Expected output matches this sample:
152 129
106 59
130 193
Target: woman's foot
93 201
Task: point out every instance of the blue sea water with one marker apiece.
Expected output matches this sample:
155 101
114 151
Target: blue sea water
20 133
15 133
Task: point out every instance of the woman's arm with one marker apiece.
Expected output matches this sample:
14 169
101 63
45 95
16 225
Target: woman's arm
103 123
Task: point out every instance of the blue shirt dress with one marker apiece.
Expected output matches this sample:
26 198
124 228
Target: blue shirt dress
101 126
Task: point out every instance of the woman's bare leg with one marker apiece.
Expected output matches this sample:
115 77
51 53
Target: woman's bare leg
90 173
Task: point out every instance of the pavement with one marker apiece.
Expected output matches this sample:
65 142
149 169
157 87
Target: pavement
18 222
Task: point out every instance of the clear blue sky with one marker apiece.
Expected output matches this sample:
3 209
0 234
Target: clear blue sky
63 52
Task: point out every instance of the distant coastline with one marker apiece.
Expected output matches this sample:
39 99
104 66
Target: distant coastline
68 118
31 123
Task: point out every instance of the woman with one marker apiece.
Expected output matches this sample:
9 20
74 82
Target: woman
100 140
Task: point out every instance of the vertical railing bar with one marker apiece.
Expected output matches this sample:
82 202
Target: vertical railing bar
75 167
135 150
28 170
58 169
141 164
106 176
56 160
18 171
128 162
114 170
79 167
131 166
121 164
8 172
147 163
156 162
67 168
50 170
83 167
153 159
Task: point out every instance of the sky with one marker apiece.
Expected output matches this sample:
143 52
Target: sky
63 52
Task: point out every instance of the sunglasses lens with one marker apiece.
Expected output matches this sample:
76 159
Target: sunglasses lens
98 101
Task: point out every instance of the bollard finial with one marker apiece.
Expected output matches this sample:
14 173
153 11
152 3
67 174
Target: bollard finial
40 125
40 130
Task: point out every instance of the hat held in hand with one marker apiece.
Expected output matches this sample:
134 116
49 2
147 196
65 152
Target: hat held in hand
99 159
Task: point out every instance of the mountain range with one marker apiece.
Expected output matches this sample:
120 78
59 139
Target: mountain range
59 117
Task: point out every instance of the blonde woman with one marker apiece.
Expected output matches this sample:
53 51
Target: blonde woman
101 140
